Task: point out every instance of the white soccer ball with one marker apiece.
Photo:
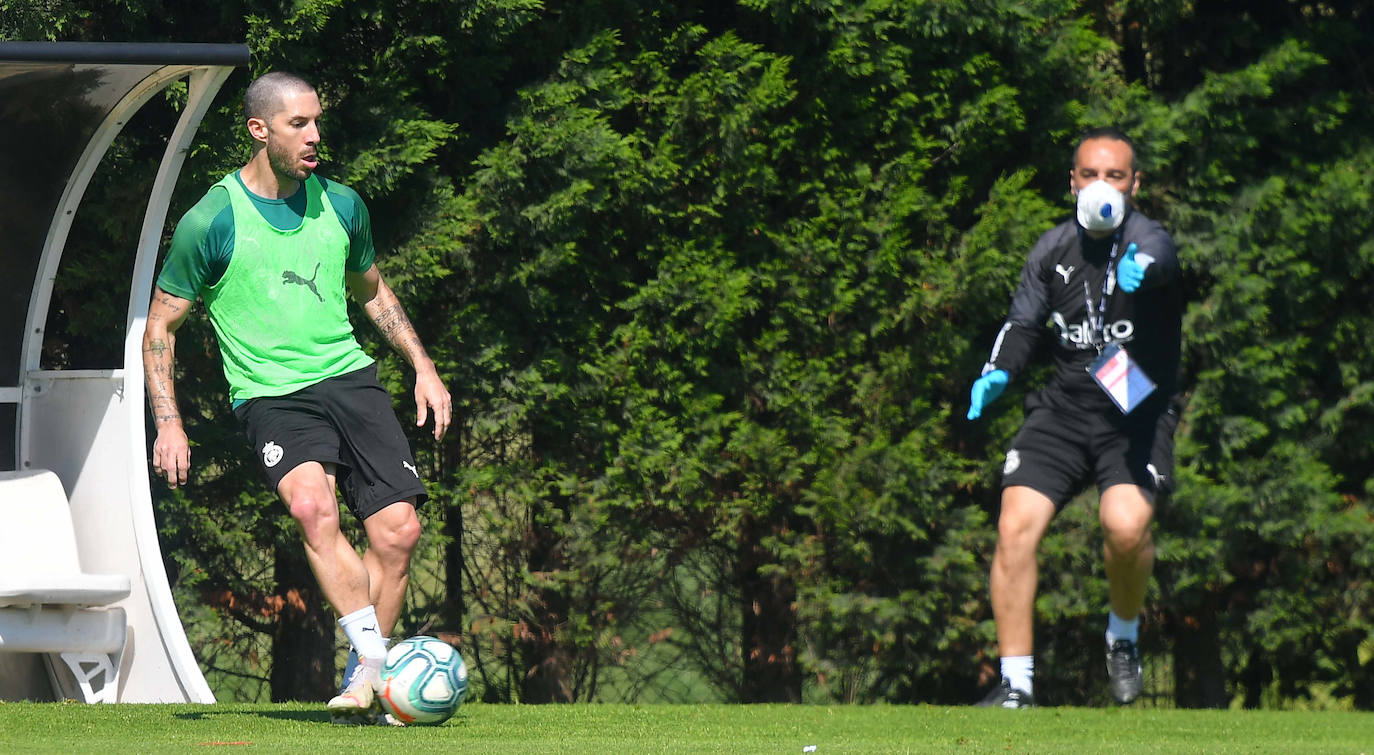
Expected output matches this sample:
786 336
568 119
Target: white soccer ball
424 680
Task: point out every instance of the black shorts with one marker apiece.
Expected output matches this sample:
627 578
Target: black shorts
346 421
1059 449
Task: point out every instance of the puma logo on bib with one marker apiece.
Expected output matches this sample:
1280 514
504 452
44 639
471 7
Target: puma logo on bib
290 276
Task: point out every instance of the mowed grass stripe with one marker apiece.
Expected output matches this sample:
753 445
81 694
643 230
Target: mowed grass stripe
571 729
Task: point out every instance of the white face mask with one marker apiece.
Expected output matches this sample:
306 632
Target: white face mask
1100 207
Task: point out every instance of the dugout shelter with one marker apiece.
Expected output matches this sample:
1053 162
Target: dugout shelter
95 622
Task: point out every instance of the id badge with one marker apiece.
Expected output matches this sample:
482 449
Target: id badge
1121 378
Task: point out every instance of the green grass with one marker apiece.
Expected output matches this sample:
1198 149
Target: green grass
571 729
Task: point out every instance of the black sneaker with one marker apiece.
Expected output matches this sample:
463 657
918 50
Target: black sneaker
1123 671
1003 696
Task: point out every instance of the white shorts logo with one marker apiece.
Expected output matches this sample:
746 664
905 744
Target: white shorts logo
271 454
1154 472
412 469
1013 462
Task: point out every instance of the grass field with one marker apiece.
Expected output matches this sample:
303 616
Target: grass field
571 729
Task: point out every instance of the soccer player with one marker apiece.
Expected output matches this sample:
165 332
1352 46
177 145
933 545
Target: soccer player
1107 283
273 249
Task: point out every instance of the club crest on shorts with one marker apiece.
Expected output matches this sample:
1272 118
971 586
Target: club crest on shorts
1013 462
271 453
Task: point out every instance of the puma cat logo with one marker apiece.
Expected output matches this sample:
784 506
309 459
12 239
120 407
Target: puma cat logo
288 276
1064 271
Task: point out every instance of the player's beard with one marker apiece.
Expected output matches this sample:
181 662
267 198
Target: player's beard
284 163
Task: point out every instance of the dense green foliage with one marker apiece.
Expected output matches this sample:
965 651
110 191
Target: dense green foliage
710 283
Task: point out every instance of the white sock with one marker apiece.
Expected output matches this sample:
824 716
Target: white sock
1019 671
1120 629
354 660
362 630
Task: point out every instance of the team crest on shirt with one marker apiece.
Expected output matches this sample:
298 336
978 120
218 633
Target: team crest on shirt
271 454
1013 462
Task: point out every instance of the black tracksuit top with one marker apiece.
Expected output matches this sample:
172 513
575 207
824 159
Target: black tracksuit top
1147 322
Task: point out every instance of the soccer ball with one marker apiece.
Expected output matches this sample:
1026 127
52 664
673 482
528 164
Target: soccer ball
424 680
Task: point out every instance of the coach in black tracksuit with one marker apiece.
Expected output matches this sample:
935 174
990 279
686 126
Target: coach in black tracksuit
1104 283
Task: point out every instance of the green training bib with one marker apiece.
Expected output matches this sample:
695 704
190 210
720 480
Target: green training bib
280 310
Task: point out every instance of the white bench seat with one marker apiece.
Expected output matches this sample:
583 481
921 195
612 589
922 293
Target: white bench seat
48 604
63 590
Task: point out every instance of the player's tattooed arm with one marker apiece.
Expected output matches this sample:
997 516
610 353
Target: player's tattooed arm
171 449
165 315
390 318
384 308
385 311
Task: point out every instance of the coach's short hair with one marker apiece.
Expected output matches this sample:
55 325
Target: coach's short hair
1113 133
267 92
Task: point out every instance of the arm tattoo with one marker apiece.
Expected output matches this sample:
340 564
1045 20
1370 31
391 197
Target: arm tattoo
171 302
159 377
390 318
394 324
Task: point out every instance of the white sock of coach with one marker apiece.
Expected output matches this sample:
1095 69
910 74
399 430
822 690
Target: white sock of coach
1120 629
1019 671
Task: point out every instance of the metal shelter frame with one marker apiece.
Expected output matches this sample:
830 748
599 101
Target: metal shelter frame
61 106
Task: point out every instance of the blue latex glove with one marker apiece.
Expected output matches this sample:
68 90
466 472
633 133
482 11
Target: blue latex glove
1130 272
986 389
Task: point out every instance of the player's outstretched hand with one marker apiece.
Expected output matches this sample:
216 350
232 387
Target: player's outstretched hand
1130 272
430 394
986 389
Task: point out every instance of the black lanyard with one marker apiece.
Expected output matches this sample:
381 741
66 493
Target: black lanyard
1097 322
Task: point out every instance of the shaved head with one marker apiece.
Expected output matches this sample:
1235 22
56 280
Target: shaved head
1113 134
267 92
